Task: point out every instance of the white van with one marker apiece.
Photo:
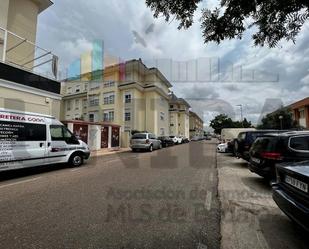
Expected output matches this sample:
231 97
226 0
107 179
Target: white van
30 139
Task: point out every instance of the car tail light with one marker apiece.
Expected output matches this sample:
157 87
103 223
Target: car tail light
271 155
147 141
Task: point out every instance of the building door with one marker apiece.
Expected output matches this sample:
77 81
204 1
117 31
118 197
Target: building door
81 131
104 137
115 136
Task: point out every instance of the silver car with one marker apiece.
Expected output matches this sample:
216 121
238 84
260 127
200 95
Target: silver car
145 141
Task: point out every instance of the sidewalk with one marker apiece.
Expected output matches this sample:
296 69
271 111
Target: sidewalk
249 216
111 151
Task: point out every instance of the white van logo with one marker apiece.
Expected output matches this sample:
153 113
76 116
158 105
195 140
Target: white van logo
24 118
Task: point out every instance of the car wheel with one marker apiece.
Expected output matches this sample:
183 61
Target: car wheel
150 148
76 160
134 150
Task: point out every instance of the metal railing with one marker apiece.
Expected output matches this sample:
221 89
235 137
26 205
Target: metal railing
22 53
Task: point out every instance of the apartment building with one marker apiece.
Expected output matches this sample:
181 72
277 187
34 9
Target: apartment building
179 116
196 125
130 95
21 87
300 112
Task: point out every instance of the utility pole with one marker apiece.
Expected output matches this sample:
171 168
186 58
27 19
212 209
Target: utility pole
241 117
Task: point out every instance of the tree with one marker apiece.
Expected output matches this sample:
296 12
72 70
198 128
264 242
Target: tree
222 121
272 120
273 20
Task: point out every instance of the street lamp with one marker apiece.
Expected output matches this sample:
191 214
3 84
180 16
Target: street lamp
281 124
240 105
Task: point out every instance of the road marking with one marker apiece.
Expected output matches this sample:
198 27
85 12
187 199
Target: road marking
211 177
24 181
208 200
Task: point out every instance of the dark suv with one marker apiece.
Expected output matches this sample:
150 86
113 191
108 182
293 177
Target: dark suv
270 149
290 192
243 142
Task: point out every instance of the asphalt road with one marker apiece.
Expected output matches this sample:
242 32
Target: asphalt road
164 199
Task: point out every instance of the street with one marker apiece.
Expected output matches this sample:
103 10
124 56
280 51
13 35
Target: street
164 199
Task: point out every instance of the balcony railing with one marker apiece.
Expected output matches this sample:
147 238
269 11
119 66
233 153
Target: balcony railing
20 52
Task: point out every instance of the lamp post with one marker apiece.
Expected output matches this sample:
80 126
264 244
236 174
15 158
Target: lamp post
241 119
281 124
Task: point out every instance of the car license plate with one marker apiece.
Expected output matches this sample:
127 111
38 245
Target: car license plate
256 160
296 183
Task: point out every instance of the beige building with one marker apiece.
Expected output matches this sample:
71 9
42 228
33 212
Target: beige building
137 99
300 112
196 125
179 116
21 88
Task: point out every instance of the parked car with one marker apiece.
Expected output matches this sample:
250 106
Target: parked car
185 140
177 140
271 149
166 141
222 148
290 192
145 141
208 137
242 144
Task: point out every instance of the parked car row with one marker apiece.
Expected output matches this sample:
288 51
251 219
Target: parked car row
283 158
149 142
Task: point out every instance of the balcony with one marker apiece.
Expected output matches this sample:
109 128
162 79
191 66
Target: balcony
21 53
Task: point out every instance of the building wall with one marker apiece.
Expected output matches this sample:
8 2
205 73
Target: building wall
30 100
174 123
22 20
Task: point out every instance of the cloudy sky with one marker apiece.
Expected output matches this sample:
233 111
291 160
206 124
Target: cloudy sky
213 78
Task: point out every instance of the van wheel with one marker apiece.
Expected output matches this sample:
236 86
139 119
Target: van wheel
150 148
76 160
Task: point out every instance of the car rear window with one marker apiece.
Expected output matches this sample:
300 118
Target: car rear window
139 136
265 144
300 143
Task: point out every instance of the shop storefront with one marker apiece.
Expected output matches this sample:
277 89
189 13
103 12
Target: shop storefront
98 135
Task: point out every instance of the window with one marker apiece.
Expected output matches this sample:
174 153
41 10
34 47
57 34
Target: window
85 103
162 131
77 88
152 136
108 116
139 136
109 84
300 143
61 133
127 115
91 117
171 124
94 100
14 131
302 113
162 116
86 87
127 98
109 98
94 85
77 104
68 105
